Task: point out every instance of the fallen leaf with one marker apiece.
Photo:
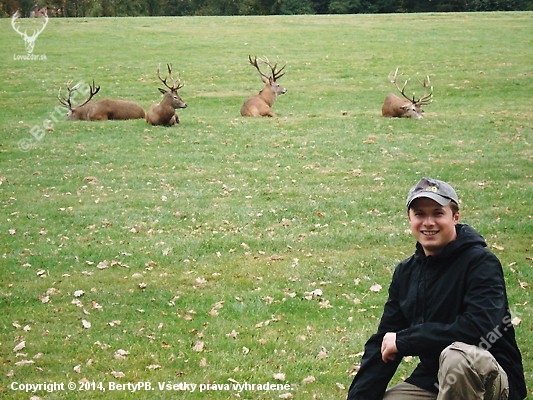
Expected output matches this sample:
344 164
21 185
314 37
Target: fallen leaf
199 346
233 334
19 346
286 396
279 376
322 354
121 354
24 362
376 287
325 304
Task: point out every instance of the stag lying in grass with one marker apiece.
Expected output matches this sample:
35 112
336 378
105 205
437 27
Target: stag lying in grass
405 107
165 113
261 104
101 110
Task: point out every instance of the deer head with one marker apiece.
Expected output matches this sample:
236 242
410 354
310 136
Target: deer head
73 111
261 104
29 40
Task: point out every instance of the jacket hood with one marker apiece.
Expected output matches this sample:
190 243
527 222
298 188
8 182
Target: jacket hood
466 237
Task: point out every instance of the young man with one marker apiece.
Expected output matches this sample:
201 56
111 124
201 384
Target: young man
447 305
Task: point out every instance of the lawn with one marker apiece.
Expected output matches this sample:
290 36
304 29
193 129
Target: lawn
238 251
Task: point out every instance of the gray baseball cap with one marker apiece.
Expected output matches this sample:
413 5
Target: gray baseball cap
433 189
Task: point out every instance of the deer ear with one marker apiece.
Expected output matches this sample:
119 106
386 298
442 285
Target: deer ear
162 90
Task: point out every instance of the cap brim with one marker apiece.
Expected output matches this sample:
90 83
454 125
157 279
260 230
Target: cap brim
443 201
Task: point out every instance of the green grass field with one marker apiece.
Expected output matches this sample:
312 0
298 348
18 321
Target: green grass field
195 254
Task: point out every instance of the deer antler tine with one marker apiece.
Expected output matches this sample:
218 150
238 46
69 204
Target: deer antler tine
393 78
95 88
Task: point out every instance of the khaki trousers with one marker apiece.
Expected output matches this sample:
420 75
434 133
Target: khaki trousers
466 372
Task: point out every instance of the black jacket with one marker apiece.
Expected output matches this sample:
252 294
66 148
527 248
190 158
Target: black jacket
458 295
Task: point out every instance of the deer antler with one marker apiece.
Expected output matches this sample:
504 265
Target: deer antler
176 84
425 99
276 73
256 65
28 40
66 101
394 80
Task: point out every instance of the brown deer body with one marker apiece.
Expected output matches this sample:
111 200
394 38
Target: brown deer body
101 110
165 113
405 107
261 104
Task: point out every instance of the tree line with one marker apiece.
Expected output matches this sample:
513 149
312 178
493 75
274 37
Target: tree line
133 8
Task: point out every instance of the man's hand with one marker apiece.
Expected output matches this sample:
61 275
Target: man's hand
388 347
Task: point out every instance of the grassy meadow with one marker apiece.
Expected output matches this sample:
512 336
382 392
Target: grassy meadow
231 250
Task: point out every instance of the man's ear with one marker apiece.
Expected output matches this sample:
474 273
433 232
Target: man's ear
456 217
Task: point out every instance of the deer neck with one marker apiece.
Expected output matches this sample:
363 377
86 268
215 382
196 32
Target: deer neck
268 95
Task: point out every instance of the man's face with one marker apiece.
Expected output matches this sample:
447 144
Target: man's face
432 225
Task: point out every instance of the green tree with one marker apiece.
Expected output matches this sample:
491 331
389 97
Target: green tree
291 7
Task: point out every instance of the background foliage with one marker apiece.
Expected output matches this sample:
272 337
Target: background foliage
250 250
108 8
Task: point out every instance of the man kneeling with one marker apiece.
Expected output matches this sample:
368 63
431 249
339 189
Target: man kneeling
447 305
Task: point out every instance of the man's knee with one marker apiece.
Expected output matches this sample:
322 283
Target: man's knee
460 357
466 369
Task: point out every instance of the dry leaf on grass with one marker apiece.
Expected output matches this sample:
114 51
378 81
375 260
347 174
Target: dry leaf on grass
279 376
199 346
19 346
233 334
121 354
376 287
24 362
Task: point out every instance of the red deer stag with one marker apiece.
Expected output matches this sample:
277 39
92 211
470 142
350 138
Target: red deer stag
261 104
165 113
396 106
101 110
